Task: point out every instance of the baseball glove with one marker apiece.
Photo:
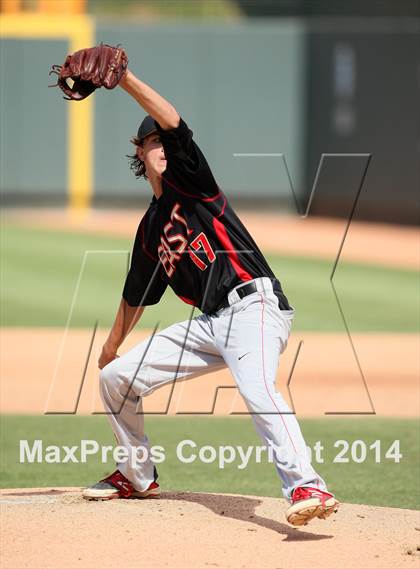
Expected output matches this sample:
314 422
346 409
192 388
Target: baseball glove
89 69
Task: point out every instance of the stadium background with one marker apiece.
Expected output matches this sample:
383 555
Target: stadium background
293 79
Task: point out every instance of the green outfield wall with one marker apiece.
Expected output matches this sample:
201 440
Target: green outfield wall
33 125
240 87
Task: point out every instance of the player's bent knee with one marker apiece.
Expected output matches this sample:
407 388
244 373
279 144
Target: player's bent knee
108 376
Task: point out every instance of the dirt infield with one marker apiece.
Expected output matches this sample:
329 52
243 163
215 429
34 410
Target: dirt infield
325 377
374 243
56 527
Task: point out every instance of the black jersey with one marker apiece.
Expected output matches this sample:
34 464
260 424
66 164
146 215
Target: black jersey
190 238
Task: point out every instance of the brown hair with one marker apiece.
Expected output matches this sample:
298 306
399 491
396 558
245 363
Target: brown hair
136 165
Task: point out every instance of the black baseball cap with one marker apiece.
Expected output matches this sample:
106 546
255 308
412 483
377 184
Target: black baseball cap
146 127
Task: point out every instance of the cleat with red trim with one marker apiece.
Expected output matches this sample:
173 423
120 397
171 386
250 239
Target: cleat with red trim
116 485
309 503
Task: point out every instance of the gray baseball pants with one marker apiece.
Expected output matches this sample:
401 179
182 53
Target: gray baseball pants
254 326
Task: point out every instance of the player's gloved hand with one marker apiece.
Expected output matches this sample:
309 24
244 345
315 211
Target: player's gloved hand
89 69
107 356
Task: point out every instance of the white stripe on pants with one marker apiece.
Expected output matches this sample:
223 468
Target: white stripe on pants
189 349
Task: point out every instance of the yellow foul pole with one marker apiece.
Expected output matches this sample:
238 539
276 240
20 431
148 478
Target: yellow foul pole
80 136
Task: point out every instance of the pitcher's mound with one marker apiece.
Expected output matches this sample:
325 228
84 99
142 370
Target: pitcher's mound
56 528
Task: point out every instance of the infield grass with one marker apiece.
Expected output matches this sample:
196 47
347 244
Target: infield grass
383 483
42 277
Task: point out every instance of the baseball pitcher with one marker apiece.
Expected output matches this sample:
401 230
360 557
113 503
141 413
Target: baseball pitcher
191 239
